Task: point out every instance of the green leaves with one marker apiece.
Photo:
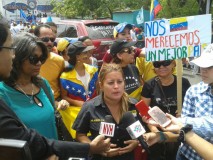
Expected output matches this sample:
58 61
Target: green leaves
86 9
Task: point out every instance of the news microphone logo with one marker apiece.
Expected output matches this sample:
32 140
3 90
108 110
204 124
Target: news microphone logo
107 129
135 130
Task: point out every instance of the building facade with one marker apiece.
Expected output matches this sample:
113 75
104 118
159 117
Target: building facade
10 9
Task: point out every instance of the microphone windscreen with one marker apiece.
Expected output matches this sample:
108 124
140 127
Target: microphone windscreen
109 119
128 118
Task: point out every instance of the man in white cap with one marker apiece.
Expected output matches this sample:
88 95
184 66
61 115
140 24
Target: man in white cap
198 105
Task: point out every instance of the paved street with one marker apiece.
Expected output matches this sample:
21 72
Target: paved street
193 78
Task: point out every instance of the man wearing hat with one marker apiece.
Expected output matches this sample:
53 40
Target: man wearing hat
198 104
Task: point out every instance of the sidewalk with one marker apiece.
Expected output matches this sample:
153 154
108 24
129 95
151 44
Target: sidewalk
193 78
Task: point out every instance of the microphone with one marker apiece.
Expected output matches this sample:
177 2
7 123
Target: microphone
107 128
135 129
108 119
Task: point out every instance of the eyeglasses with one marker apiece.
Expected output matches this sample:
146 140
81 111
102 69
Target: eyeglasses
47 39
129 50
157 64
35 59
9 48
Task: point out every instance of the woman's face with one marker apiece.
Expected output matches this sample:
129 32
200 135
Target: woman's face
125 35
126 56
164 68
32 65
207 75
113 86
7 54
84 57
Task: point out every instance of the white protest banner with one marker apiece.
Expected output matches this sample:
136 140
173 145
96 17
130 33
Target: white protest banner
177 38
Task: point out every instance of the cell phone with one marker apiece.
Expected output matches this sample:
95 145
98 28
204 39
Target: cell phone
142 108
159 116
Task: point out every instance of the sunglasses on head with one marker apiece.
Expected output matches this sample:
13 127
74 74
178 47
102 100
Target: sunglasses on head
47 39
33 59
157 64
128 50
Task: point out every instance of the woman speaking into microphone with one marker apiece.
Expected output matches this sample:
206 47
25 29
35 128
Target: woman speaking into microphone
114 101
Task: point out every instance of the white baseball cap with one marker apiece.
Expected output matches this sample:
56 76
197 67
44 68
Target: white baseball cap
206 58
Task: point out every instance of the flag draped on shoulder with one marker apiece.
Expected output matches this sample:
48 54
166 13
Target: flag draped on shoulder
154 9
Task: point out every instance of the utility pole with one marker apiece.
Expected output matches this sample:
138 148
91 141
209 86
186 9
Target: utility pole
207 6
16 11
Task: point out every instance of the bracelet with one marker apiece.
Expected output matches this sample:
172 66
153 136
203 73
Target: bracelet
183 131
162 137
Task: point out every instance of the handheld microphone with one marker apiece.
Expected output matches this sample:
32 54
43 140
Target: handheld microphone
135 129
109 119
107 128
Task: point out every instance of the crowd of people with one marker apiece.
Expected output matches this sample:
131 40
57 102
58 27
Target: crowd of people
39 77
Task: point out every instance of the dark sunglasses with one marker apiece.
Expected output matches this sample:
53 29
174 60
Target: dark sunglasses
9 48
35 59
157 64
47 39
129 50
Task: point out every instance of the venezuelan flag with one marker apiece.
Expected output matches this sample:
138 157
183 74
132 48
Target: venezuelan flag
154 9
178 24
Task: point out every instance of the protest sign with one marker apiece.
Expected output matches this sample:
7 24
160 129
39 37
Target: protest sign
177 38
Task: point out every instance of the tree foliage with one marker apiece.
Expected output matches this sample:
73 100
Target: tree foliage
85 9
178 8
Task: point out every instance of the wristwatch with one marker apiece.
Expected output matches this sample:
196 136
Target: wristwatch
183 131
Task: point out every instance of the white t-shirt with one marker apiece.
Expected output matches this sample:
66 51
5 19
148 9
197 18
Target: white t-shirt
85 80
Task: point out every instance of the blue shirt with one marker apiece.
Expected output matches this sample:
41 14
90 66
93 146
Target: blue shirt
198 111
42 119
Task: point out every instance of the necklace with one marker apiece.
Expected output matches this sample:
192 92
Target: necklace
167 81
31 98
